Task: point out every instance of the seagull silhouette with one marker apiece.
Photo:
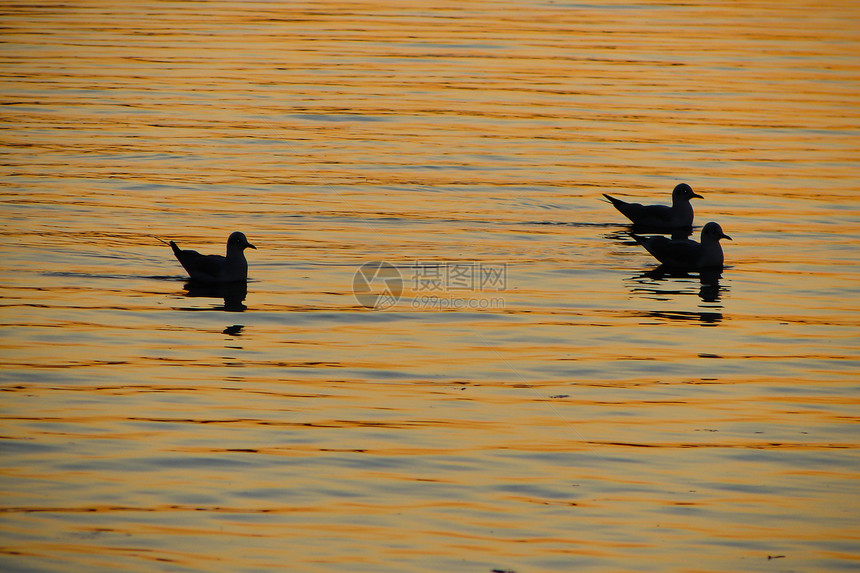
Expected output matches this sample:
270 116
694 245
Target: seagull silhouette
680 214
215 268
687 254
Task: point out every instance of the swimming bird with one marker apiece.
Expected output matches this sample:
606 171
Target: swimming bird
680 214
215 268
687 254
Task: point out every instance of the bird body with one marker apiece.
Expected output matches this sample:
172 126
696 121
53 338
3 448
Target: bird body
679 215
216 268
687 254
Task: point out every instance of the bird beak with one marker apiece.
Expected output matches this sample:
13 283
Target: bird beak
697 196
724 236
252 246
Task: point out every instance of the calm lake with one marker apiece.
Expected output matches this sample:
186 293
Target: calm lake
517 388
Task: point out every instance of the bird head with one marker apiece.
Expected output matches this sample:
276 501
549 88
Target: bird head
684 191
712 231
238 240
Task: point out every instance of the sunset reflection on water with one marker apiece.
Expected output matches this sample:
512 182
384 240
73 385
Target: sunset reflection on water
589 412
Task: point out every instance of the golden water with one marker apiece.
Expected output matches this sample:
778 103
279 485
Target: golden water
583 414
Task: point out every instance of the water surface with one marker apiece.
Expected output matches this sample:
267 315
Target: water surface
574 411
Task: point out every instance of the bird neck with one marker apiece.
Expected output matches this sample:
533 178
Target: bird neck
235 252
713 252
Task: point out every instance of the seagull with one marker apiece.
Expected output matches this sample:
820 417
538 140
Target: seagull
680 214
687 254
215 268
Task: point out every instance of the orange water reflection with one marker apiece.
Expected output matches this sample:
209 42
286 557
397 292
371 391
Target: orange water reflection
603 416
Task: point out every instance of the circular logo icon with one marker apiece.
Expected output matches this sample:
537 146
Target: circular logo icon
377 285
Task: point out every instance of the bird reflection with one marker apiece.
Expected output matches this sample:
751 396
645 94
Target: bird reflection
706 318
235 330
624 238
664 283
233 293
710 284
709 281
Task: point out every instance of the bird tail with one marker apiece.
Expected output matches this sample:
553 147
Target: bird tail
176 250
638 238
611 199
